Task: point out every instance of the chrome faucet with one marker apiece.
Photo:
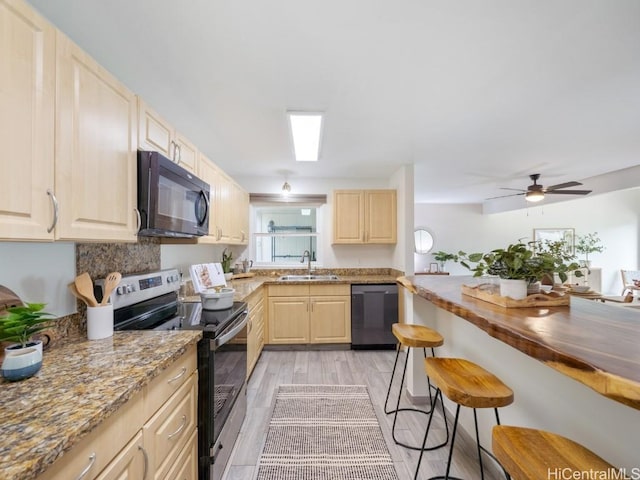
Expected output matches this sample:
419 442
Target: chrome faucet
308 255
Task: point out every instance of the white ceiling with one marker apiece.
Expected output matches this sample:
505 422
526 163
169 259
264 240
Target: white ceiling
477 94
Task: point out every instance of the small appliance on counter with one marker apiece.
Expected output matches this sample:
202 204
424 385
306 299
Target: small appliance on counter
209 282
8 299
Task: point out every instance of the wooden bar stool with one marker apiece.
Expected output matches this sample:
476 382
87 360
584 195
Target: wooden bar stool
413 336
469 385
530 454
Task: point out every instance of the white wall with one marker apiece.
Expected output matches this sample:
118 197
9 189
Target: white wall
615 216
39 273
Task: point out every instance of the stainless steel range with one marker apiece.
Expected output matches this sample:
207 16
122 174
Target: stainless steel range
149 301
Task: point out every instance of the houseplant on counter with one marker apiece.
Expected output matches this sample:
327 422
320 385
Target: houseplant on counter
443 257
588 243
23 359
519 265
227 258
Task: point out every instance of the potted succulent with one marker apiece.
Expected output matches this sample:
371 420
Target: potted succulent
520 265
588 243
23 359
443 257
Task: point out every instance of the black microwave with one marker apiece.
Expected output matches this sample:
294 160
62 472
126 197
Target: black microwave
172 201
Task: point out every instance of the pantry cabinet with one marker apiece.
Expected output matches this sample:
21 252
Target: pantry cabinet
27 96
158 135
309 314
154 432
364 217
95 150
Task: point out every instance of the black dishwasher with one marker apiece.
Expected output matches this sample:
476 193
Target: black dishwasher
374 308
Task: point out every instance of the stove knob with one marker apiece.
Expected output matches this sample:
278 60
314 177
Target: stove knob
129 288
120 290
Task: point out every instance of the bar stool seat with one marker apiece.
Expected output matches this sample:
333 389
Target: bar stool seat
413 336
530 454
466 384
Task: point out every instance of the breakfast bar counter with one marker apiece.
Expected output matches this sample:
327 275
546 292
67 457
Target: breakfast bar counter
594 343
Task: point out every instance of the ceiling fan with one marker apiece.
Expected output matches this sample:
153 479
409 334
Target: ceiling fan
535 192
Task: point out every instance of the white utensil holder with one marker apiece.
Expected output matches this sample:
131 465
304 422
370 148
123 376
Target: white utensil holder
99 322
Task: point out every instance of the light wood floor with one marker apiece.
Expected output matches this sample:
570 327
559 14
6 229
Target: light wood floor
347 367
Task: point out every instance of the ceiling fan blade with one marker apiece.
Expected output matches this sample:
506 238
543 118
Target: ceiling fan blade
514 189
569 192
562 185
504 196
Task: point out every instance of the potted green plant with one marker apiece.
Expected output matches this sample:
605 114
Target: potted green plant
588 243
519 265
23 359
444 257
227 258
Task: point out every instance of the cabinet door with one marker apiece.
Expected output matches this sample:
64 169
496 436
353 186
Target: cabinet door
208 172
330 320
240 217
186 466
348 216
187 154
27 94
95 150
154 132
128 464
224 207
255 338
380 216
288 320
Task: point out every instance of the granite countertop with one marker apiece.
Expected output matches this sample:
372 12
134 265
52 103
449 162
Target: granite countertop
244 287
80 384
589 341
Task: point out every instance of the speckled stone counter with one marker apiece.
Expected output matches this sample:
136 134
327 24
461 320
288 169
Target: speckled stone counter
80 384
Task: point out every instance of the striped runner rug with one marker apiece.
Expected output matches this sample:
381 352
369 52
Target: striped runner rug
322 432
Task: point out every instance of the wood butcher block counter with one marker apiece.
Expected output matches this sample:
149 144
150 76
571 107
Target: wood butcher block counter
589 341
80 385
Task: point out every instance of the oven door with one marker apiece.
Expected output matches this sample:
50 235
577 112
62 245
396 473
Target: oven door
171 200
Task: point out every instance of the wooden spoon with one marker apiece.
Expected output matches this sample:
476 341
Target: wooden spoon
85 288
74 291
111 282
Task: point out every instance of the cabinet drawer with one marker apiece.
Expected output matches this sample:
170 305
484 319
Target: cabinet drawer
129 464
166 433
169 381
186 466
96 450
288 290
319 290
255 298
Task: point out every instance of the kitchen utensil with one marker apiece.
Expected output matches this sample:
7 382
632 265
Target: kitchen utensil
111 282
84 285
73 289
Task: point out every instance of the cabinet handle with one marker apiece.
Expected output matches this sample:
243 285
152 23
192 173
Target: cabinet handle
138 219
180 428
56 210
184 370
83 473
146 461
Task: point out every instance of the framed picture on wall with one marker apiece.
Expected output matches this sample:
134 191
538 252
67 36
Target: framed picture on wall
566 235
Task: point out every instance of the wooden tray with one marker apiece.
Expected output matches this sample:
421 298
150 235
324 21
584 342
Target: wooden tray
243 275
489 293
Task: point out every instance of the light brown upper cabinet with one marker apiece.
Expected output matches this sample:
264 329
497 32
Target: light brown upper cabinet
156 134
229 218
27 96
364 216
95 149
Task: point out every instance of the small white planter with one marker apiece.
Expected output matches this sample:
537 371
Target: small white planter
516 289
20 363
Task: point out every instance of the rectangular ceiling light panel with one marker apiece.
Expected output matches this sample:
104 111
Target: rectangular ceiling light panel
306 129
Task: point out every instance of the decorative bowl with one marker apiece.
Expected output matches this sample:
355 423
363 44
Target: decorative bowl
580 288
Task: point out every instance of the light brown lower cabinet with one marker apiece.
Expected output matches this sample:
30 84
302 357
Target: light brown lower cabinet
156 429
299 314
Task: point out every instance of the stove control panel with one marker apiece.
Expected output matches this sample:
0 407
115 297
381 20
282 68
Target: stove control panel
143 286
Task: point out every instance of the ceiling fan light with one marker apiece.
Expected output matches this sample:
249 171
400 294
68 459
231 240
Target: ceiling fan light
534 196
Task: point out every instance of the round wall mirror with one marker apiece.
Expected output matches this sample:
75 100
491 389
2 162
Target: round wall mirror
423 241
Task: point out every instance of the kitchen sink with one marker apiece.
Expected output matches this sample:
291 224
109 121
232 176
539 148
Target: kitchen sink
299 278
